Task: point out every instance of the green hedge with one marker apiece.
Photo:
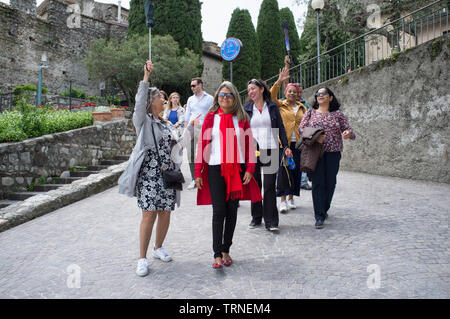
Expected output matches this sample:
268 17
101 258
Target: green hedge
29 121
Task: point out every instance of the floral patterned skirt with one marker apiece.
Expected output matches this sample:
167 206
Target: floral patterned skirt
151 194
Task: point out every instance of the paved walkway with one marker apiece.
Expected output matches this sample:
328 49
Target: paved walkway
385 238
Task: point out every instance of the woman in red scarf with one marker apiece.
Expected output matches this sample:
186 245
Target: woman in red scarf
225 163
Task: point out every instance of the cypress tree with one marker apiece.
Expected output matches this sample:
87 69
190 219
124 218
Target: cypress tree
182 19
248 65
294 39
271 39
136 18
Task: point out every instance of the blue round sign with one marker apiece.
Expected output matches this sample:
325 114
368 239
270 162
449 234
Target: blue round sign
230 49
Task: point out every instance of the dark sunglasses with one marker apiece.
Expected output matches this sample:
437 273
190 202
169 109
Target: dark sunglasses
193 85
321 94
227 95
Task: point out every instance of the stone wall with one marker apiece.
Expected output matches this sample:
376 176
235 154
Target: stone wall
212 67
399 109
60 33
50 155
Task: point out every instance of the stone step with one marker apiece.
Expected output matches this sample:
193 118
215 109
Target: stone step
122 157
82 173
5 203
22 195
111 162
46 187
97 167
65 180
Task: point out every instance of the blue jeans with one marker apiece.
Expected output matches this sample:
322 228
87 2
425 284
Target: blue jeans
304 179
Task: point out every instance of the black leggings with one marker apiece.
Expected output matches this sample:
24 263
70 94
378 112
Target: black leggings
224 212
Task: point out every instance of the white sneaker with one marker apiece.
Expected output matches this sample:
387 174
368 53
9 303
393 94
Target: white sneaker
161 253
291 204
142 267
192 185
283 207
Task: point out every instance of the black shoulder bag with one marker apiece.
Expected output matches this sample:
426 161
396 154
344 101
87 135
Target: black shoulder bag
172 179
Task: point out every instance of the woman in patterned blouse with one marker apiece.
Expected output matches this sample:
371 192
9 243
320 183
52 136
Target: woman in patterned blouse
326 115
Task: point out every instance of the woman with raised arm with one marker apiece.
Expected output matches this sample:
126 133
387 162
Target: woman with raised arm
292 112
143 177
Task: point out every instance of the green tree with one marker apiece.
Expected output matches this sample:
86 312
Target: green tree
348 18
271 39
294 39
136 18
181 19
122 63
248 65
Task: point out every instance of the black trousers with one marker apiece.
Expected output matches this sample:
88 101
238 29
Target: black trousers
324 183
224 212
268 207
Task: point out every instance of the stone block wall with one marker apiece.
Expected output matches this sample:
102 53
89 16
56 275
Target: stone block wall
24 38
400 111
50 155
212 67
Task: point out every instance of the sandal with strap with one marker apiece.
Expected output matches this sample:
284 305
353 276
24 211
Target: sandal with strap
228 262
217 265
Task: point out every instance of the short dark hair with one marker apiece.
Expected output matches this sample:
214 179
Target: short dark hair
199 80
334 104
262 84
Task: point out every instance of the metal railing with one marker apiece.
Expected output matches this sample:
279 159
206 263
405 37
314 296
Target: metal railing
415 28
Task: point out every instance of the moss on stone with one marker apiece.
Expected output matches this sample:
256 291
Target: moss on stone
436 48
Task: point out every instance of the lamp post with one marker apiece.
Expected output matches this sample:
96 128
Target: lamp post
318 5
119 12
42 66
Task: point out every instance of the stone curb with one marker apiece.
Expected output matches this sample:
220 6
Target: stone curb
44 203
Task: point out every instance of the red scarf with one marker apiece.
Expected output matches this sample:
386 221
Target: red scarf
231 168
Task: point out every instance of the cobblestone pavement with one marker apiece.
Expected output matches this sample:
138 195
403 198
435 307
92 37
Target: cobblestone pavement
385 238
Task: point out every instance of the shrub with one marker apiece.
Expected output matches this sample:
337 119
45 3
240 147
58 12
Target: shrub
80 94
30 121
28 87
11 127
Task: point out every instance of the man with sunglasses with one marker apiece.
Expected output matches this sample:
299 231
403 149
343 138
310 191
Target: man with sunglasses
197 104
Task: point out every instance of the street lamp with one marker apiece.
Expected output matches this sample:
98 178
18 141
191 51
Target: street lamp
318 5
42 66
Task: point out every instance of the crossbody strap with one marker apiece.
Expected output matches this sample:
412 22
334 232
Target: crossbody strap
157 148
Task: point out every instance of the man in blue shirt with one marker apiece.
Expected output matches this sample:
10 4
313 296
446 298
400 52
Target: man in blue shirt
199 103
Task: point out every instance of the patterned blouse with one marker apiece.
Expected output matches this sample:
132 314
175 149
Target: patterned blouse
334 124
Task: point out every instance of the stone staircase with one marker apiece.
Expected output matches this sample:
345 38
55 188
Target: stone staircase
61 181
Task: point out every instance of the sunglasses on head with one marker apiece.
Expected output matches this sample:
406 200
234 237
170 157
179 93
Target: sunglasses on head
323 93
254 81
227 95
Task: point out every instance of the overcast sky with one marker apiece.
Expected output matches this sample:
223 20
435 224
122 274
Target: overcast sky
216 14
